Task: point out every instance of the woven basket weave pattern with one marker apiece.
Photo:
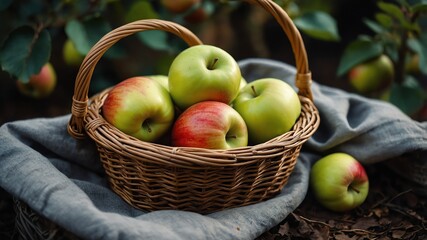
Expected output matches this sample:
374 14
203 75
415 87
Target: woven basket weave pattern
152 176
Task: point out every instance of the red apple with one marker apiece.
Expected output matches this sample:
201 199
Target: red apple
40 85
210 124
178 6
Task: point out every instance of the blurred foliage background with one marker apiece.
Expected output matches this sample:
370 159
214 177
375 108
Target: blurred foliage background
338 36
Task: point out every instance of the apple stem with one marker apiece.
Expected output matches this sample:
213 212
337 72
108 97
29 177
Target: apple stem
253 89
211 67
354 189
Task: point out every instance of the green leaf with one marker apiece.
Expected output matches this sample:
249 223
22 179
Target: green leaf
420 7
385 20
374 26
419 46
31 8
155 39
140 10
87 33
357 52
76 31
318 25
25 52
4 4
393 10
408 97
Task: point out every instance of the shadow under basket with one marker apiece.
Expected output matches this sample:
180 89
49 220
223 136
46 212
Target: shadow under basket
152 176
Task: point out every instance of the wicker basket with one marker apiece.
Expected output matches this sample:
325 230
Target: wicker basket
152 176
29 225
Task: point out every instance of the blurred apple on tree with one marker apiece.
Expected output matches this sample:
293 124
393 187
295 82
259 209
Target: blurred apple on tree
373 75
179 6
40 85
71 55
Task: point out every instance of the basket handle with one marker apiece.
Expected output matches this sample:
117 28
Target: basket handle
80 98
303 77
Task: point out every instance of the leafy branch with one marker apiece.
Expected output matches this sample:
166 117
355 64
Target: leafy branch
398 32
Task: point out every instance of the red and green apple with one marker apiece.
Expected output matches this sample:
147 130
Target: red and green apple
178 6
210 124
40 85
373 75
339 182
139 107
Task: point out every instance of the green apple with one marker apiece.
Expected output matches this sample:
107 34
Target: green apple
139 107
243 83
372 75
71 56
412 65
203 73
210 124
161 79
269 106
339 182
178 6
40 85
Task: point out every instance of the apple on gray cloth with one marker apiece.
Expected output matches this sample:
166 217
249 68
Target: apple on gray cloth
62 178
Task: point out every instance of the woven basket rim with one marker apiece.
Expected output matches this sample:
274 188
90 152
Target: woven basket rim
108 136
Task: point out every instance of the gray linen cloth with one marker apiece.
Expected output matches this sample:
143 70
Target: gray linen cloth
62 179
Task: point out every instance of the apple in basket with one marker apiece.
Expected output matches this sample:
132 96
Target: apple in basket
339 182
162 79
139 107
210 124
40 85
203 73
269 106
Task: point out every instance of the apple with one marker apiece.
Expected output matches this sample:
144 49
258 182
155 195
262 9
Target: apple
197 16
178 6
210 124
243 83
40 85
161 79
339 182
200 12
139 107
372 75
269 106
412 65
203 73
71 56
